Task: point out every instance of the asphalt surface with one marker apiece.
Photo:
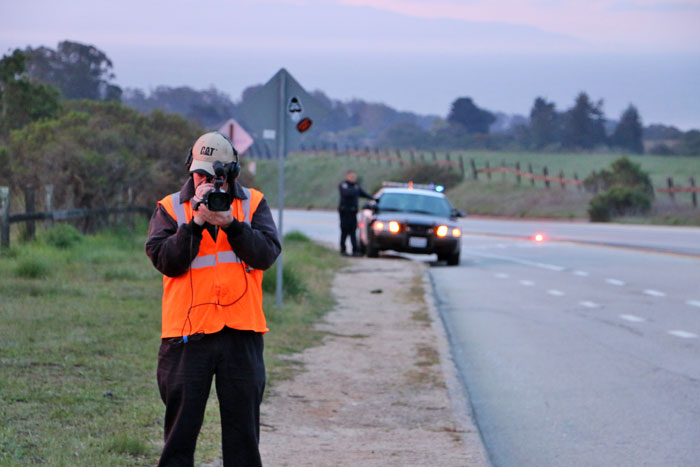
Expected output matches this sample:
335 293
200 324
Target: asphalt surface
572 353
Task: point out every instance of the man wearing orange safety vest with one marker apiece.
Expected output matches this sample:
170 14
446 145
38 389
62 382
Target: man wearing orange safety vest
212 241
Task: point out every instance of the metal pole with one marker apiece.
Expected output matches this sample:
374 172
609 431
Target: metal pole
281 154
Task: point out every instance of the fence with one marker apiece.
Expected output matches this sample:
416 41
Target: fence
30 216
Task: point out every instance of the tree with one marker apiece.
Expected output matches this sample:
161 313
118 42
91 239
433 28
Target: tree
628 133
583 125
474 120
21 100
80 71
544 124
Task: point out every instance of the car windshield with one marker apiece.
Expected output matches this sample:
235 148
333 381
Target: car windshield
415 202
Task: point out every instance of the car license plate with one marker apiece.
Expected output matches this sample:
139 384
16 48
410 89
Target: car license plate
417 242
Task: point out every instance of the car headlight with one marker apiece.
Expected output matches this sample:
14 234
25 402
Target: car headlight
378 226
442 231
456 232
394 227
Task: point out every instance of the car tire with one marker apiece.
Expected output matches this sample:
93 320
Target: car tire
453 259
372 250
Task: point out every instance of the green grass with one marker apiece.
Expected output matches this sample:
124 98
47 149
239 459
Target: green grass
312 181
79 337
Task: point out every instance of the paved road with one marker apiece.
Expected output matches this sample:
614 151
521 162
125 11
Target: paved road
573 353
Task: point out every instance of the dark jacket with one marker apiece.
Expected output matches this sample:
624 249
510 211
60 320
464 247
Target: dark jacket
350 192
172 249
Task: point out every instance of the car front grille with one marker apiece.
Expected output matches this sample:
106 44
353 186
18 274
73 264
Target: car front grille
418 229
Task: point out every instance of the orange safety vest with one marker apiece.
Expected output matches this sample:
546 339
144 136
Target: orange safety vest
217 290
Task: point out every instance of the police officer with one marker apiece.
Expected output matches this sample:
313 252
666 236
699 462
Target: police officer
350 192
212 263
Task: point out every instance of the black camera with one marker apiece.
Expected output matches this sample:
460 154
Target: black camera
216 199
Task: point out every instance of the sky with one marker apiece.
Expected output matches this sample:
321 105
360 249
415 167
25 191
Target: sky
414 55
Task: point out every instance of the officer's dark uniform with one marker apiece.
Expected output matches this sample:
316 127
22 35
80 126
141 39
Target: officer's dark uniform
350 192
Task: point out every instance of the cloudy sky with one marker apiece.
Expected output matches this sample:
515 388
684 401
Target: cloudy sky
416 55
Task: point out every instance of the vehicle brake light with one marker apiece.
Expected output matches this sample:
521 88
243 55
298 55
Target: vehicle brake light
442 231
393 227
456 232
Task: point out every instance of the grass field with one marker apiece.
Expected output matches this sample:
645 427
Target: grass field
312 180
79 337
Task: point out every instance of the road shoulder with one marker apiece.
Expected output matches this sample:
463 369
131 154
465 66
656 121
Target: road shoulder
381 389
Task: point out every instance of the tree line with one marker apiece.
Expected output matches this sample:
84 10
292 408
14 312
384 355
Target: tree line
72 71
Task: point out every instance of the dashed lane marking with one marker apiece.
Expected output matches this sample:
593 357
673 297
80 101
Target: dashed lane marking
581 273
589 304
654 293
556 293
633 318
551 267
693 303
683 334
527 283
616 282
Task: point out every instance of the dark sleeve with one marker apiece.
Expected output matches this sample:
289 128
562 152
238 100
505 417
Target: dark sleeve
257 244
172 248
364 194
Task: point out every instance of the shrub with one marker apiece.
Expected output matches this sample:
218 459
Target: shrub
32 268
618 201
291 279
63 236
623 172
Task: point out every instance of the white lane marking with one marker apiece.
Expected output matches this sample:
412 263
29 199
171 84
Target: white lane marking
502 275
551 267
617 282
556 293
632 318
581 273
693 303
589 304
654 293
527 283
683 334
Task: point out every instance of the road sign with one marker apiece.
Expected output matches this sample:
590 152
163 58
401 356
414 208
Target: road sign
239 137
281 111
260 113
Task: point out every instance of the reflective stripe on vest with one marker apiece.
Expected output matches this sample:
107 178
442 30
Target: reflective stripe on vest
179 209
207 261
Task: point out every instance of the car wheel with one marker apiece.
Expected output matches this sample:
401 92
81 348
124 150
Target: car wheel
453 259
372 250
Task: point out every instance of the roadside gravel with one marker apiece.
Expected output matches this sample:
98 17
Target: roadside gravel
381 389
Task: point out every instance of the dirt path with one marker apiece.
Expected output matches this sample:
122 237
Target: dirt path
377 392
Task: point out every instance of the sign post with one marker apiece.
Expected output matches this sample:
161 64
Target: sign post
267 115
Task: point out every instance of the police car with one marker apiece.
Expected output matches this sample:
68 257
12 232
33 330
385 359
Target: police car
411 218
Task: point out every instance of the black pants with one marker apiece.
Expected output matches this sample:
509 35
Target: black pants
185 373
348 226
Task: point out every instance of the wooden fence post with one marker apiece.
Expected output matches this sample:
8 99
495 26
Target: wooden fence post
518 178
670 191
488 171
545 172
130 203
48 202
561 177
529 170
30 206
5 216
693 194
475 173
579 186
